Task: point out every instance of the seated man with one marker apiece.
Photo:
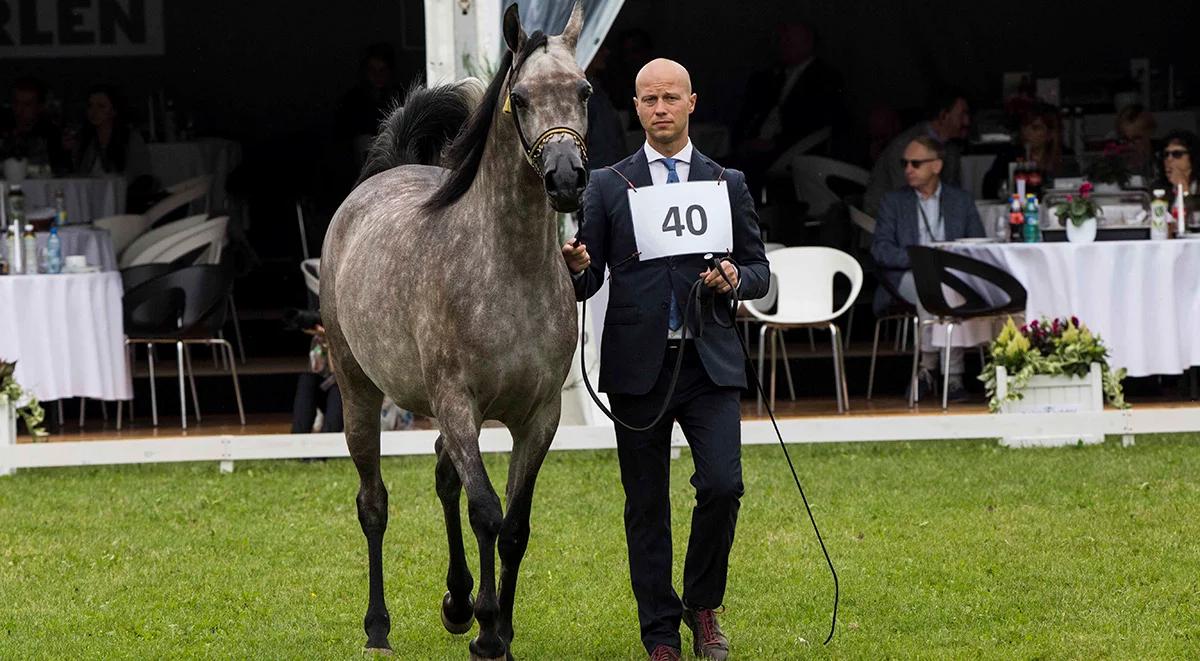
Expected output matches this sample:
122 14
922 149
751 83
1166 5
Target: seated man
922 212
949 122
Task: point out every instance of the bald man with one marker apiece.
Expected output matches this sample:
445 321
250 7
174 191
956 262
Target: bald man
643 338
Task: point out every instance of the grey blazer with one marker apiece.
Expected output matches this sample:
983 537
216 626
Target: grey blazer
897 227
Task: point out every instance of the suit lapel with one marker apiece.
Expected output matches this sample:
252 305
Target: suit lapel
910 211
638 170
701 169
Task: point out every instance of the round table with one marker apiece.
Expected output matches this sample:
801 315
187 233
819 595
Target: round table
1140 296
67 335
87 198
91 242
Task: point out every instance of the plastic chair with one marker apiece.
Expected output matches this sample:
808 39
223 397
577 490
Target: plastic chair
210 234
810 179
156 235
176 200
182 307
932 269
805 276
122 229
311 268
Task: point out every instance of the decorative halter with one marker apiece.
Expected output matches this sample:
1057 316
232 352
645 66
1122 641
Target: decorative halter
533 151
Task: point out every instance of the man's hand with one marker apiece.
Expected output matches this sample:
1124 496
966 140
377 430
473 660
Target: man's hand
713 279
576 255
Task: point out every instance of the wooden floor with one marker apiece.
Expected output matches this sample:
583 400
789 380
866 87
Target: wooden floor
280 423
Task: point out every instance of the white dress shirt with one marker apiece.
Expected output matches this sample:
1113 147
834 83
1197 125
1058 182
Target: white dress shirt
931 224
658 170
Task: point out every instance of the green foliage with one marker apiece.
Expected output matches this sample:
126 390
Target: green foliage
1059 347
1078 210
27 406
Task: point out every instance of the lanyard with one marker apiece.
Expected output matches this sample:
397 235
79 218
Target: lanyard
925 218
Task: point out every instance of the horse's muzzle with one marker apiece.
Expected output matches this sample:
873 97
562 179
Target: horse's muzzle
565 176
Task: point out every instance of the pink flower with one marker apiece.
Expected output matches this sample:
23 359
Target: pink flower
1086 189
1070 198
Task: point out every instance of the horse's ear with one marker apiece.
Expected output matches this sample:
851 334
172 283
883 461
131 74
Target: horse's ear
514 36
570 34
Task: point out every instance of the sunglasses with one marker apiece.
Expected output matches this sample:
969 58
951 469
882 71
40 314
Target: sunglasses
1175 153
916 163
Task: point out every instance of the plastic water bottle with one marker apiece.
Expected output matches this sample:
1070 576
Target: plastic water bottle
54 258
60 208
1031 218
29 243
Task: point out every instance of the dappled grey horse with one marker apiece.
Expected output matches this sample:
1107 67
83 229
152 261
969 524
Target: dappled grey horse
443 287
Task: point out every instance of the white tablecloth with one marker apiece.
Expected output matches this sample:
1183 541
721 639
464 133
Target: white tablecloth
173 162
66 334
92 242
88 198
1142 297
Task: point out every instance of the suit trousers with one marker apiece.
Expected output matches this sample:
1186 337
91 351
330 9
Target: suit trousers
710 417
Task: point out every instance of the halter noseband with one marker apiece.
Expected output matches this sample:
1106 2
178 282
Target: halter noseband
533 152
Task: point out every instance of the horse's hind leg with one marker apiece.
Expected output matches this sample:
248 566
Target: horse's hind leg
457 604
361 401
460 427
530 443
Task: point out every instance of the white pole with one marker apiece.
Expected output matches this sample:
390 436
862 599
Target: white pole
440 64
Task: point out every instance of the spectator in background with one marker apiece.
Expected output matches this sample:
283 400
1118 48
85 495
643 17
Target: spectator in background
108 145
605 134
362 108
923 211
949 122
633 49
1181 147
1039 141
29 132
1135 127
795 97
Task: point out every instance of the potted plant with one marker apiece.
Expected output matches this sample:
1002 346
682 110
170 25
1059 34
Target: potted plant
14 400
1111 170
1049 366
1079 215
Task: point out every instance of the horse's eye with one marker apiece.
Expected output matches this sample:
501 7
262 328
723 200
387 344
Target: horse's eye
585 92
518 100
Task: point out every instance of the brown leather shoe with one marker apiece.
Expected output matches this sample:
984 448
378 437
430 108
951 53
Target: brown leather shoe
708 642
665 653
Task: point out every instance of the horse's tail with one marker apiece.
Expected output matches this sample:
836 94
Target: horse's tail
419 129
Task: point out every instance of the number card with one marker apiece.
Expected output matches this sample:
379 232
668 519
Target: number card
681 219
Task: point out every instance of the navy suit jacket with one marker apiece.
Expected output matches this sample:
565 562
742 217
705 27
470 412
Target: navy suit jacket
635 326
897 226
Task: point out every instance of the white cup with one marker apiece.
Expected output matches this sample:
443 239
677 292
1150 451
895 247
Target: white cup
76 263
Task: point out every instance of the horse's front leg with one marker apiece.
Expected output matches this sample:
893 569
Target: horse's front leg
458 607
461 432
530 443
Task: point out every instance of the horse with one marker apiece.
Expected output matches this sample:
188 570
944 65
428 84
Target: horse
443 286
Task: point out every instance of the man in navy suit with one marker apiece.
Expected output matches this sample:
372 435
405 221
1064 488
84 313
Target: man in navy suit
643 337
924 211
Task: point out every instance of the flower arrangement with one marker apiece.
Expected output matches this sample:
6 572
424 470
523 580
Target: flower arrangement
30 411
1051 347
1079 209
1112 167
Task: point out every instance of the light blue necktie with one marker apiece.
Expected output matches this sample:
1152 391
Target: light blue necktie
674 318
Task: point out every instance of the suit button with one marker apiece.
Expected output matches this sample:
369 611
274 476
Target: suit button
664 305
672 267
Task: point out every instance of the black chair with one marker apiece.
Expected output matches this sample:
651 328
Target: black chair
897 310
181 307
932 269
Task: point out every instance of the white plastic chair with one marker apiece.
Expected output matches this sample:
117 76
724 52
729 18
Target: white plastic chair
125 228
202 182
209 233
805 300
810 180
174 201
157 235
122 229
311 268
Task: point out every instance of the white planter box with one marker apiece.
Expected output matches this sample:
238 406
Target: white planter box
8 431
1053 394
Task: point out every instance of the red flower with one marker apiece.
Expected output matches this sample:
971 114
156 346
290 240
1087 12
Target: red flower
1070 198
1085 190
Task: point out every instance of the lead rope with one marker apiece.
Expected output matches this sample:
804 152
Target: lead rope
734 301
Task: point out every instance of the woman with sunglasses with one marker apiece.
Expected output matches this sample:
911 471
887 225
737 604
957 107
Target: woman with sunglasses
1177 162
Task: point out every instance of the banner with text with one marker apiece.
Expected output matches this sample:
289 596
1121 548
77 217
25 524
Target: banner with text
80 28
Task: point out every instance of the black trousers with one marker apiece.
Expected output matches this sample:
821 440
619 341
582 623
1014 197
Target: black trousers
711 420
309 396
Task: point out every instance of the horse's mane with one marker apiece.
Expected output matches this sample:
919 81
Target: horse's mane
464 155
419 128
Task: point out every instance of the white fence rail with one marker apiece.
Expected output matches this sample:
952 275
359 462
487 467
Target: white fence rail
905 427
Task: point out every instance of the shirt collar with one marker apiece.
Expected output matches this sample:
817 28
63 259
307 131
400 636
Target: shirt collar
684 155
937 194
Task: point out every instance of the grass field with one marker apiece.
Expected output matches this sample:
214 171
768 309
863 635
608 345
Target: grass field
945 550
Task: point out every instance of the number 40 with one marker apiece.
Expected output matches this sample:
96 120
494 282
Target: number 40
673 223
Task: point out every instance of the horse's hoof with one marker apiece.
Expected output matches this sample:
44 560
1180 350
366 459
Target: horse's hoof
453 627
377 651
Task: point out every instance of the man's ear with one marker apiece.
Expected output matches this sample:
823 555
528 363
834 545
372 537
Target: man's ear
514 36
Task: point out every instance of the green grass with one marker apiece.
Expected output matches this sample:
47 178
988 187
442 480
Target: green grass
945 550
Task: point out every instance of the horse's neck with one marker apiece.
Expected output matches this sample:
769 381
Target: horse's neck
512 200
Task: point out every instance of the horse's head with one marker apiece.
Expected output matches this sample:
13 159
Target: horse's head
547 98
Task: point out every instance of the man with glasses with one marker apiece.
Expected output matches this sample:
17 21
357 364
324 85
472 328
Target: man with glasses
925 211
949 122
